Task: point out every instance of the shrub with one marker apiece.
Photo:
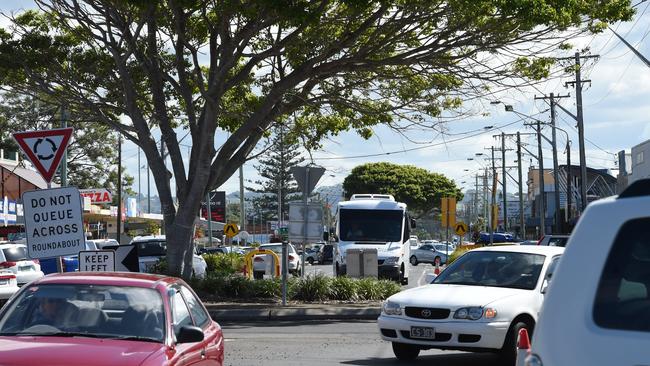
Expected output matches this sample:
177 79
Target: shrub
368 289
238 287
265 289
388 288
312 288
344 289
225 264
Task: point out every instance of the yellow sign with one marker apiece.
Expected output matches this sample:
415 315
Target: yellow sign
461 228
495 216
230 230
449 212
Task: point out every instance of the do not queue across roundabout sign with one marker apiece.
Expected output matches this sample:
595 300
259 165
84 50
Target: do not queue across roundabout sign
53 222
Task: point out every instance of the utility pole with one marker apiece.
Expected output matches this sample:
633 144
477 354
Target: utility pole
148 189
242 218
569 183
505 178
494 196
119 188
485 201
556 171
64 160
139 184
542 205
522 228
581 129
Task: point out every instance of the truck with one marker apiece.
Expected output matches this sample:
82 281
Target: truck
375 221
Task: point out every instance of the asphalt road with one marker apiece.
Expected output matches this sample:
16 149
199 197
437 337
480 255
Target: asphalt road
326 343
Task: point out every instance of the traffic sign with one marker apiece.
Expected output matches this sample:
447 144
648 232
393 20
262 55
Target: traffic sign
307 177
97 195
461 228
230 230
97 261
44 148
53 222
126 258
448 212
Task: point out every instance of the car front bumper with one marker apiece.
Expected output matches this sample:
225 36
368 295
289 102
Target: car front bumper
449 334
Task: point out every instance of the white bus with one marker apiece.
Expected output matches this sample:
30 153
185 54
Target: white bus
375 221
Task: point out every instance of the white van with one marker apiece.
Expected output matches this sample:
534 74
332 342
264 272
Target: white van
597 307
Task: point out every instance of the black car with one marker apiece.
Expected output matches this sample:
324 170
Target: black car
326 253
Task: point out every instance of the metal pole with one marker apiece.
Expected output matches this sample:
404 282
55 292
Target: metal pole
581 136
569 182
494 196
64 160
284 272
119 188
556 169
242 219
485 201
542 208
148 190
305 198
209 204
522 228
139 182
505 179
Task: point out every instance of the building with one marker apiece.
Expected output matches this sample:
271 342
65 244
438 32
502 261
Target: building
640 165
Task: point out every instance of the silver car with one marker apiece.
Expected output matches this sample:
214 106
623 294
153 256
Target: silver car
427 253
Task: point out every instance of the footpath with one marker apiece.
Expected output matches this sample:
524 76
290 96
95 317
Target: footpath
254 312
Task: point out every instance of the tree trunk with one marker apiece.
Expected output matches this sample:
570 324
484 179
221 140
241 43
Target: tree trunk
178 237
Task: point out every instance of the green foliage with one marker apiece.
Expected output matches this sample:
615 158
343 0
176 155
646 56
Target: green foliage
420 189
225 264
344 289
313 288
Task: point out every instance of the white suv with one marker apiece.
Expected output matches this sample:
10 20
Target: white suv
597 308
13 258
153 247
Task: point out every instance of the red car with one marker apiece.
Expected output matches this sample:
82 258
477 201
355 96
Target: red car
108 319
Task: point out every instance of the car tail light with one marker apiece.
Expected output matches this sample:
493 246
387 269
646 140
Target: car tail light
7 264
258 259
291 257
7 276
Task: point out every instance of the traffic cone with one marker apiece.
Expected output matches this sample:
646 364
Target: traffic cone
437 269
523 347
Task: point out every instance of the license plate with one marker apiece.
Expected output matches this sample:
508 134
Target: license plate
25 268
4 282
423 332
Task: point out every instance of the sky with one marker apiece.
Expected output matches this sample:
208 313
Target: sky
615 118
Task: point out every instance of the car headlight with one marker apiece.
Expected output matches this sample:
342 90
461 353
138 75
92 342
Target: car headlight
391 308
391 260
475 313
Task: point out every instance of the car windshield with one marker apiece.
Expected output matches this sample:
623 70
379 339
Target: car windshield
82 310
496 269
371 225
443 248
153 248
15 253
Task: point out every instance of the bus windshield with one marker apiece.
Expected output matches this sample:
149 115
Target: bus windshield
371 225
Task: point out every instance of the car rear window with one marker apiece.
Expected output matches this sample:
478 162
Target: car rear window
152 249
622 300
15 254
558 242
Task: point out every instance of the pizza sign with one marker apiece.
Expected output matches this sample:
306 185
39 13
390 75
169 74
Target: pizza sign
97 195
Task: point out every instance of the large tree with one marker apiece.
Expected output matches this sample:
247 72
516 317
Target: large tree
239 65
276 179
420 189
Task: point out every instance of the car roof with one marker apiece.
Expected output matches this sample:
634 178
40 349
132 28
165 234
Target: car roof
532 249
135 279
148 238
10 245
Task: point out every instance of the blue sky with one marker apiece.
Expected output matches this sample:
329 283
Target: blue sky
615 115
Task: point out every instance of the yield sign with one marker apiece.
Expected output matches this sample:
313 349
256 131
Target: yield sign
307 177
44 148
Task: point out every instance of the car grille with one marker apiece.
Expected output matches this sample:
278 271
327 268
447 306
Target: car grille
440 337
426 313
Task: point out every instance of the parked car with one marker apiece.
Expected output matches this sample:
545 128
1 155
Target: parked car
484 238
107 318
479 303
221 250
260 261
102 243
427 253
8 286
311 255
554 240
152 248
13 258
69 263
326 254
597 309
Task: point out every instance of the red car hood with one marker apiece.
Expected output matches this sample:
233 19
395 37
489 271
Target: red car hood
58 351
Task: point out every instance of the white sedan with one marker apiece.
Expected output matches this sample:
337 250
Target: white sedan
260 262
478 303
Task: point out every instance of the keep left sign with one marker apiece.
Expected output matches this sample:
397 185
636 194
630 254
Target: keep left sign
97 261
53 222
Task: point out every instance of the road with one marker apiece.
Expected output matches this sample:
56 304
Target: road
326 343
416 276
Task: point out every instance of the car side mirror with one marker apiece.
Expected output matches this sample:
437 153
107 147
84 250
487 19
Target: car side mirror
545 286
413 225
189 334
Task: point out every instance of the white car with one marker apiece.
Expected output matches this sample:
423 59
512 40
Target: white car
478 303
153 247
8 286
260 261
13 258
597 309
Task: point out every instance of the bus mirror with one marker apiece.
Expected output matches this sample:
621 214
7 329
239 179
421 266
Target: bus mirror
413 226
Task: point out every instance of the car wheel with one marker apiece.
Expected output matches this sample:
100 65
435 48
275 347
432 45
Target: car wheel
405 352
414 260
437 261
508 353
310 261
